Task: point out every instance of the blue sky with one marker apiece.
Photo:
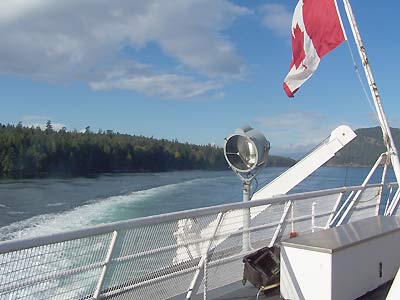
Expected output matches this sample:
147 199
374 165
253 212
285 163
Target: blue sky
194 70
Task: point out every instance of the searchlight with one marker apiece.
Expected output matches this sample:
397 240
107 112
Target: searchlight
246 152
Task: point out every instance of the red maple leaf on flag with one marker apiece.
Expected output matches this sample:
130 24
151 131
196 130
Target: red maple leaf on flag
298 52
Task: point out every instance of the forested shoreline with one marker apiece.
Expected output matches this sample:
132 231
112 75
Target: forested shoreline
32 152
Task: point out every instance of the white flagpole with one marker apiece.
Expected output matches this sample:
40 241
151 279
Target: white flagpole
387 135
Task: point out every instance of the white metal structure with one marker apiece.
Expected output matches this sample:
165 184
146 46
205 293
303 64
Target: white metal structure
387 135
339 138
137 259
341 263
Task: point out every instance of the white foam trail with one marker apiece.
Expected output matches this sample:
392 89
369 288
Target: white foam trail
95 212
55 204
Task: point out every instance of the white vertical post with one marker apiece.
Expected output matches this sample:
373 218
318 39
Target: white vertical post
106 263
292 217
394 202
246 217
332 215
342 208
379 201
313 216
388 200
282 224
205 277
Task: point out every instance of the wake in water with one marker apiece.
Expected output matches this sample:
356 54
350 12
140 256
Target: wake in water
68 207
106 210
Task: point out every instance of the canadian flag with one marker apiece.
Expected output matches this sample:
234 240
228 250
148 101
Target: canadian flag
316 30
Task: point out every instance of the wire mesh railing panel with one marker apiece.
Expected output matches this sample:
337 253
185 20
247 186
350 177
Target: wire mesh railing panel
162 289
304 218
234 239
145 254
323 210
264 222
228 238
76 286
36 273
366 205
223 272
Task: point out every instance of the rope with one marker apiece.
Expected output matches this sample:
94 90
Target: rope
205 284
266 288
366 93
255 189
369 199
258 293
292 217
346 175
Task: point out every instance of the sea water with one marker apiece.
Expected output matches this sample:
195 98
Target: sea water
36 207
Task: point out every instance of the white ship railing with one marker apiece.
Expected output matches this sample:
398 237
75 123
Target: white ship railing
165 256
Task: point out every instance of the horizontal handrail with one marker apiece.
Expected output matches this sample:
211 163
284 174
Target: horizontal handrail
13 245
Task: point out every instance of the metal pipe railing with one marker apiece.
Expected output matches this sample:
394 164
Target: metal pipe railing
8 246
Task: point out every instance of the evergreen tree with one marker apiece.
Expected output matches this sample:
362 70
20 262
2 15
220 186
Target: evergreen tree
49 126
33 151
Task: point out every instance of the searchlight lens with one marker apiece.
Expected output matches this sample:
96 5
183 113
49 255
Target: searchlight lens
246 150
241 153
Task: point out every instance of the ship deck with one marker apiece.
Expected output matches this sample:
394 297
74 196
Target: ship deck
249 292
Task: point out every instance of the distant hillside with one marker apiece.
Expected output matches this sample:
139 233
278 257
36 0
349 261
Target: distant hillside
31 152
280 161
365 148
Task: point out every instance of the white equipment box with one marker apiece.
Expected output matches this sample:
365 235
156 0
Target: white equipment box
341 263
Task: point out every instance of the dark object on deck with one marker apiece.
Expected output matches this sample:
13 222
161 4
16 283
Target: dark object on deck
261 268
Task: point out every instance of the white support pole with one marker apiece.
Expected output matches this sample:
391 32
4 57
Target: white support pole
205 289
331 217
292 218
394 202
357 195
313 216
379 201
387 135
106 263
388 201
282 224
201 267
246 217
342 207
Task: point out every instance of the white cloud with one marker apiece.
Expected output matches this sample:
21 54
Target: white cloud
277 17
145 80
80 40
296 132
40 121
14 9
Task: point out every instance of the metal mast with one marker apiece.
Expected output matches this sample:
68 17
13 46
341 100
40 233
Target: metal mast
387 135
